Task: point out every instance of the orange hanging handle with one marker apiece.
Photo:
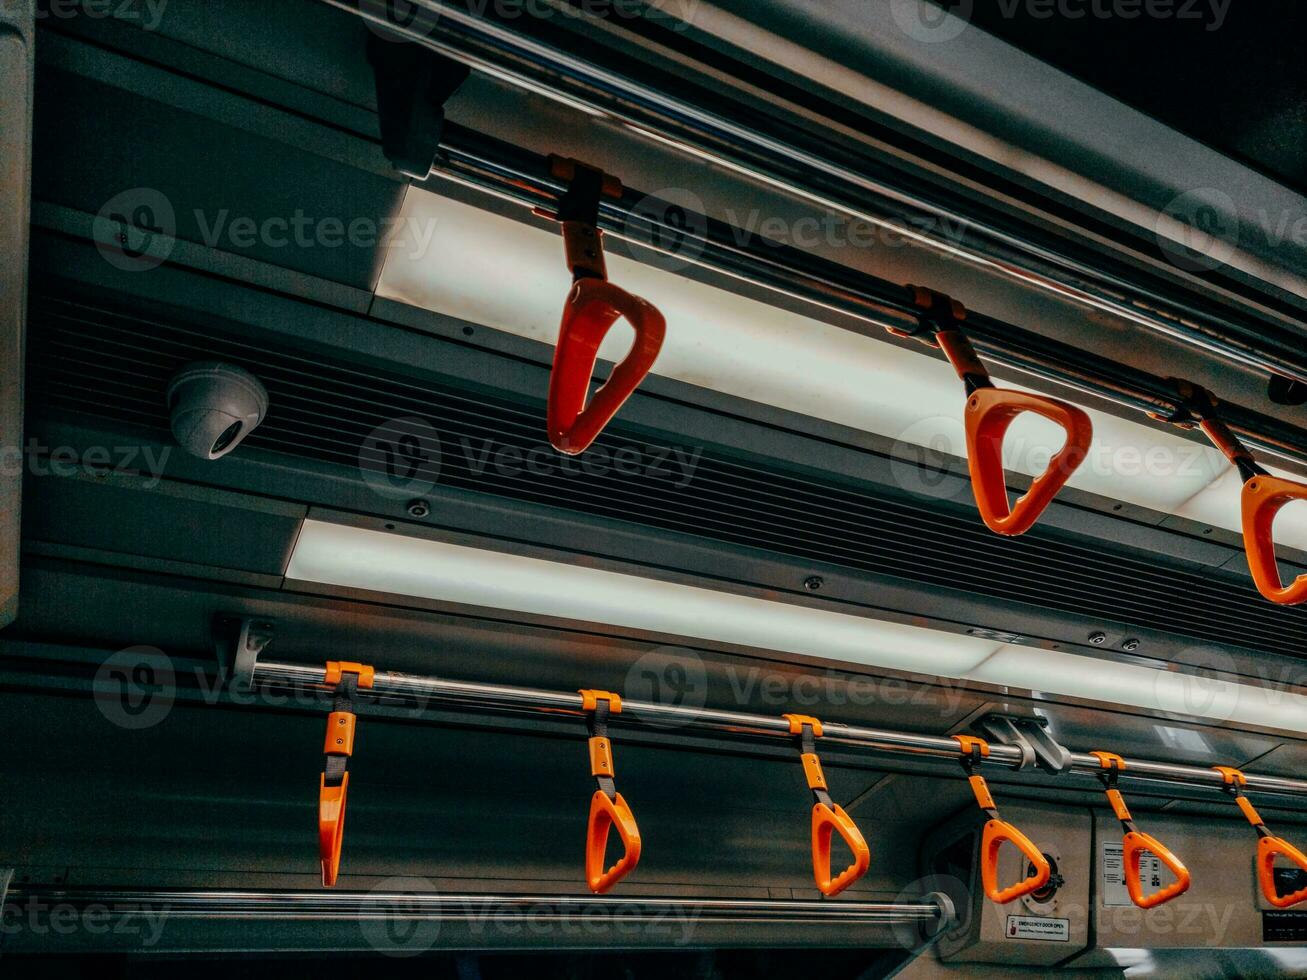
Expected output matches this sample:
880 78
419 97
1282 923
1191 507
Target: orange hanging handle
347 678
593 306
990 412
1262 498
1269 847
1136 843
608 809
828 817
999 832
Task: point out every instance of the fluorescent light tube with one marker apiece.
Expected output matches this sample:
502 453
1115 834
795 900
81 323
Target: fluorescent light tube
492 270
351 557
394 564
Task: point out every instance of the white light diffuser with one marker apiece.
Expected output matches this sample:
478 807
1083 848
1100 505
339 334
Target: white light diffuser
492 270
393 564
352 557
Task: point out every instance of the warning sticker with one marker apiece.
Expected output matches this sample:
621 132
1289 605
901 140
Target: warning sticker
1038 928
1115 894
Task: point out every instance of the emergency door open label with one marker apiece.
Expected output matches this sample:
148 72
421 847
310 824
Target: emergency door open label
1115 893
1038 928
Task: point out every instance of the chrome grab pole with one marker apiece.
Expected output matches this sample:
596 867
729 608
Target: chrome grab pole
471 695
416 905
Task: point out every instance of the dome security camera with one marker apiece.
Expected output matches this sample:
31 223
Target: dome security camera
214 407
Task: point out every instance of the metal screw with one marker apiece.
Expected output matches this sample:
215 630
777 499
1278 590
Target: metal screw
1097 638
813 582
419 508
1130 645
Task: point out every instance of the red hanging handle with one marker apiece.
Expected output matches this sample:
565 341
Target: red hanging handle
828 817
999 832
989 414
593 307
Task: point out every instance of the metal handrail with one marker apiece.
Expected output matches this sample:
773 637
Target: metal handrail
500 696
799 163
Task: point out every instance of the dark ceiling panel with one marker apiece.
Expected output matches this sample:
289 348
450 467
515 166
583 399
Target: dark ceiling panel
1227 74
90 362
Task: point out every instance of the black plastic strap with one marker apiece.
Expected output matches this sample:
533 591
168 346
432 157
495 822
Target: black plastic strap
581 200
597 723
808 746
343 699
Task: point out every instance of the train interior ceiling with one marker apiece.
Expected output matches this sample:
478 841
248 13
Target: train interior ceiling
740 624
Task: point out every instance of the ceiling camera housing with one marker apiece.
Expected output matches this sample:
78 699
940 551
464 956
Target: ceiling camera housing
214 407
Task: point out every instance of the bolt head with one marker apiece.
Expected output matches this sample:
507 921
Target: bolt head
1098 639
419 508
813 582
1130 645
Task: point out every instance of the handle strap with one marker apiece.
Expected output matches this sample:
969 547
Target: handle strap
608 809
1269 847
989 414
338 746
1136 843
998 831
828 817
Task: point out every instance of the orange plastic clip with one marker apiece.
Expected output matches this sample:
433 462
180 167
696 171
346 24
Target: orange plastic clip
1269 847
593 306
989 413
1136 843
997 832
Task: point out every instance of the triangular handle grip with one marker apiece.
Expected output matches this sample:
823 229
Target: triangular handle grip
607 815
1268 849
997 832
1263 496
826 822
331 827
593 306
990 411
1135 845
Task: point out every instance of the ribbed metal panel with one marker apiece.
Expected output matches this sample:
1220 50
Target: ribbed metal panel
91 361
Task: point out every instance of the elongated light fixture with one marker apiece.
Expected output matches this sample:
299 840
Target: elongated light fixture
399 565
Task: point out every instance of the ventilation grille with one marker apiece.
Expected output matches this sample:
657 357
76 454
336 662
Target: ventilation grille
89 361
